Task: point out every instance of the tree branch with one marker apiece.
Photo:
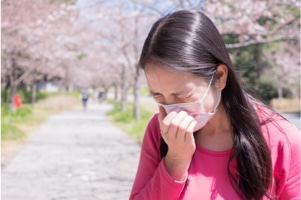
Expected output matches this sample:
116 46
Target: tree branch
283 26
24 75
252 42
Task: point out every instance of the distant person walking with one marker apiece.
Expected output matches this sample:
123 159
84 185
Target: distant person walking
85 98
100 95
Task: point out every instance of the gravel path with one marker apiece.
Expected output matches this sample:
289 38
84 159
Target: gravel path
74 155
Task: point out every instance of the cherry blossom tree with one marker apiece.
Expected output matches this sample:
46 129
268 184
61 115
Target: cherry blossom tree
125 43
17 41
252 25
97 43
33 46
256 21
284 69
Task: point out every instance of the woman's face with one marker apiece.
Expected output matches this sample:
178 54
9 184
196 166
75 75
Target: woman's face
168 87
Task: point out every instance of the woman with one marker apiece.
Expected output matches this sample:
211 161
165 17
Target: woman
210 139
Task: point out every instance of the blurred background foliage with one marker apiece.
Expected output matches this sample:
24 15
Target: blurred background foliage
71 45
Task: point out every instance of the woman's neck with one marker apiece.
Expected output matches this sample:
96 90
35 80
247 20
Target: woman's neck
217 134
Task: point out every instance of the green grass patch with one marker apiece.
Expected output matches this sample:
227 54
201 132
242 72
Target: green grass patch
126 121
287 105
11 132
9 121
26 95
16 125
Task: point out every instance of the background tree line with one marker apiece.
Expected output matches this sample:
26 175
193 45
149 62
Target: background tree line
96 43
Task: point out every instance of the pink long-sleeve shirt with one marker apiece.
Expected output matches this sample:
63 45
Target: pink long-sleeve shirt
207 176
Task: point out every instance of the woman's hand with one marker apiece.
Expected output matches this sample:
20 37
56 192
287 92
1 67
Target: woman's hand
177 131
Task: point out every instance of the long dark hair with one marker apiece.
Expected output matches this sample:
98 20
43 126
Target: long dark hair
188 41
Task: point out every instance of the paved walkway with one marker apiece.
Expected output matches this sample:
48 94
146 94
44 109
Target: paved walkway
75 155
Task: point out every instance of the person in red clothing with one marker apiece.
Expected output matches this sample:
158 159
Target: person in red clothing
17 101
210 138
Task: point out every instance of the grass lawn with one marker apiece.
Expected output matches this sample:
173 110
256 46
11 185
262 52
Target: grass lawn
125 120
287 105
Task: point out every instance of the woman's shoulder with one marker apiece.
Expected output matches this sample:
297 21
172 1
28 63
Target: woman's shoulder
284 140
153 123
152 132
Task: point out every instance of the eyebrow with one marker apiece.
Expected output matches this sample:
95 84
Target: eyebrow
179 93
152 92
174 94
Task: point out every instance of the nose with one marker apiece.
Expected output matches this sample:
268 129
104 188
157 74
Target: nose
171 100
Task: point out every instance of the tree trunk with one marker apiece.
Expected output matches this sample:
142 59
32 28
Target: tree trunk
13 89
34 93
123 90
13 92
136 78
15 80
105 93
116 91
123 98
136 95
5 94
257 66
70 88
280 92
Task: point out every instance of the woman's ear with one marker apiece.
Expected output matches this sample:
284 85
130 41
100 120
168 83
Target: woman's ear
221 76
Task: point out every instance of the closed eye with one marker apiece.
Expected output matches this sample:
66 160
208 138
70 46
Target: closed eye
184 96
154 93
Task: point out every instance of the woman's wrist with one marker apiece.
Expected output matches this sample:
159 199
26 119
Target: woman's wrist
177 167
